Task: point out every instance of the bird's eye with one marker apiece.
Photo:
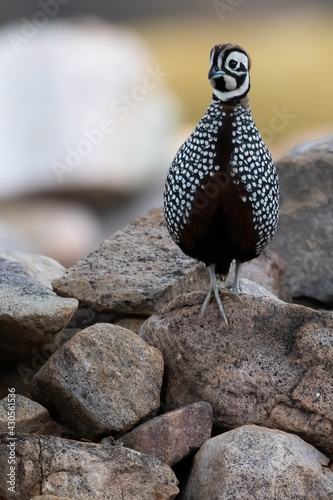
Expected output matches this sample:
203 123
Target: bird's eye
233 64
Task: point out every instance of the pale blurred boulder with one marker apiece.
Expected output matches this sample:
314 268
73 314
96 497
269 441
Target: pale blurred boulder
61 229
83 107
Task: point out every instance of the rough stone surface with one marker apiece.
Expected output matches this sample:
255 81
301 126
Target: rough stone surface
104 380
140 269
305 232
50 497
272 366
30 313
87 471
30 418
268 270
39 267
174 435
257 463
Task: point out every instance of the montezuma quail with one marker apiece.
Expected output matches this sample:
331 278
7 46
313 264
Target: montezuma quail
221 197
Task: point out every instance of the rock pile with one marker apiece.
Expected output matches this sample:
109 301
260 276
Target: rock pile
119 389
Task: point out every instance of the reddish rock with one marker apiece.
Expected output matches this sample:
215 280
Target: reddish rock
273 362
174 435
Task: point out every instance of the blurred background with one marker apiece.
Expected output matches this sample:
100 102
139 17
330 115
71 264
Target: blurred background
96 97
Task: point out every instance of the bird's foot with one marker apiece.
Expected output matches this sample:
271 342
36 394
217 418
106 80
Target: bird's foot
214 290
231 291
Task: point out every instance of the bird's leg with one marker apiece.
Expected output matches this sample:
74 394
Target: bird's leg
213 288
235 287
233 290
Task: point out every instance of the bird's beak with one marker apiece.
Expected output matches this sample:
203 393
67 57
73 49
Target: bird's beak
215 73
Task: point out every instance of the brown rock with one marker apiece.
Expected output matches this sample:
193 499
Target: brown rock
30 313
30 418
174 435
104 380
273 362
50 497
305 231
139 270
257 463
87 471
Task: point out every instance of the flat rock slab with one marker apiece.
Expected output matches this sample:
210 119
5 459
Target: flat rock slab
136 271
140 269
84 471
102 381
272 366
30 313
173 435
257 463
305 231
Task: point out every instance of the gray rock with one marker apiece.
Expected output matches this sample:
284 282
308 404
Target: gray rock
272 366
268 270
140 269
104 380
305 231
39 267
30 418
84 471
50 497
30 314
173 435
257 463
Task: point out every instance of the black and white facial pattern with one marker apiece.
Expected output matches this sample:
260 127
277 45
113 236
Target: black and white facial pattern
229 73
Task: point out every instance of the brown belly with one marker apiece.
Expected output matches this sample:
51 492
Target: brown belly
220 226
